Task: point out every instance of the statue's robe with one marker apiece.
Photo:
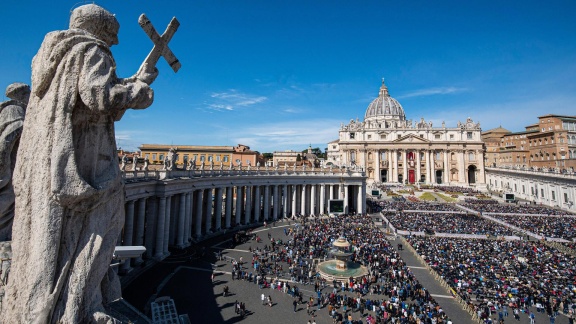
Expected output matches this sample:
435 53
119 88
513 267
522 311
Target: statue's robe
11 122
69 191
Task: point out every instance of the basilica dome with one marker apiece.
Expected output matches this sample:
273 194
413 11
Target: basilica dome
384 107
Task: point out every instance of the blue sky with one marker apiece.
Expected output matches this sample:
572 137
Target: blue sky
278 75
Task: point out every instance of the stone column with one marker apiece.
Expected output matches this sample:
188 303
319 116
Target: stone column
322 198
294 193
257 204
208 210
331 192
198 220
239 203
480 157
418 168
188 222
159 250
218 209
346 210
248 205
446 167
303 201
276 203
429 163
128 232
266 202
285 201
377 176
139 237
461 167
404 167
313 199
167 225
181 222
363 197
150 232
229 199
394 165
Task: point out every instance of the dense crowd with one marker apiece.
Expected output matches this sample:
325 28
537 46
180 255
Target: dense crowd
477 202
457 189
548 226
515 209
446 223
489 274
410 205
390 290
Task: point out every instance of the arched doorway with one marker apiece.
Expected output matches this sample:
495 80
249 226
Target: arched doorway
472 174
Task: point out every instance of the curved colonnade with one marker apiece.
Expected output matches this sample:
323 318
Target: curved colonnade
174 208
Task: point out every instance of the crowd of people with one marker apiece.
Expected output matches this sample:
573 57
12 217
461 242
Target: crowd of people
456 189
417 205
446 223
548 226
498 274
514 209
389 293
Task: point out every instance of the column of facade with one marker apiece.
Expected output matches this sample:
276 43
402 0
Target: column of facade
266 202
363 197
167 224
257 204
294 200
346 210
313 199
446 167
140 220
218 209
181 229
418 168
208 210
128 231
394 165
159 249
303 200
239 203
377 176
404 167
331 192
285 201
480 157
429 166
174 208
188 219
248 205
322 198
229 199
276 203
198 213
461 167
150 232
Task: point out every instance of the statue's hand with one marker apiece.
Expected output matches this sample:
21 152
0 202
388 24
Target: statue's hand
147 74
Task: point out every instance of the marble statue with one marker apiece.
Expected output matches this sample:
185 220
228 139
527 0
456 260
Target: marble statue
11 123
135 162
211 165
124 161
146 162
70 211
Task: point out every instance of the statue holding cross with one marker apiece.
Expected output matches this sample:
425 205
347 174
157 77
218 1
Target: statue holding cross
70 212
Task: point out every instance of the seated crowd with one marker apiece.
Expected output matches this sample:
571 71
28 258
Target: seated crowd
488 273
515 209
548 226
417 205
451 189
446 223
390 290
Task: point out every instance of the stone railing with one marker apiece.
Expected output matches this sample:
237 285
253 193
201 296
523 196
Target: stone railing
529 171
245 171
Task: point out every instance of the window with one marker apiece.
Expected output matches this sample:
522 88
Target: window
352 156
161 157
471 156
421 135
437 136
352 135
202 158
451 136
523 189
217 158
553 195
542 193
210 158
469 135
154 156
383 156
399 136
565 197
247 161
185 158
334 147
225 158
383 136
237 161
369 136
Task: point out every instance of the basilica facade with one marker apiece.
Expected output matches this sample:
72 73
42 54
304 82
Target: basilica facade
393 149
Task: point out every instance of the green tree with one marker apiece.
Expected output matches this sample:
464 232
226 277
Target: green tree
298 158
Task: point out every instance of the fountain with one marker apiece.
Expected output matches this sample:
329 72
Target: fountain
341 268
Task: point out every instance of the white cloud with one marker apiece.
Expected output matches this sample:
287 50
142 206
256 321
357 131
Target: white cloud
432 91
231 99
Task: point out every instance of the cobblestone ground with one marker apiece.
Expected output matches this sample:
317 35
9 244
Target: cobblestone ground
188 281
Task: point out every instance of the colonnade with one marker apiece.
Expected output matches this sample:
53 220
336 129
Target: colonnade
160 214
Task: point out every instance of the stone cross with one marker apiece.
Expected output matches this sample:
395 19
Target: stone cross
160 43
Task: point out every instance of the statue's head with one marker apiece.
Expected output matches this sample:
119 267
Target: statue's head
97 21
